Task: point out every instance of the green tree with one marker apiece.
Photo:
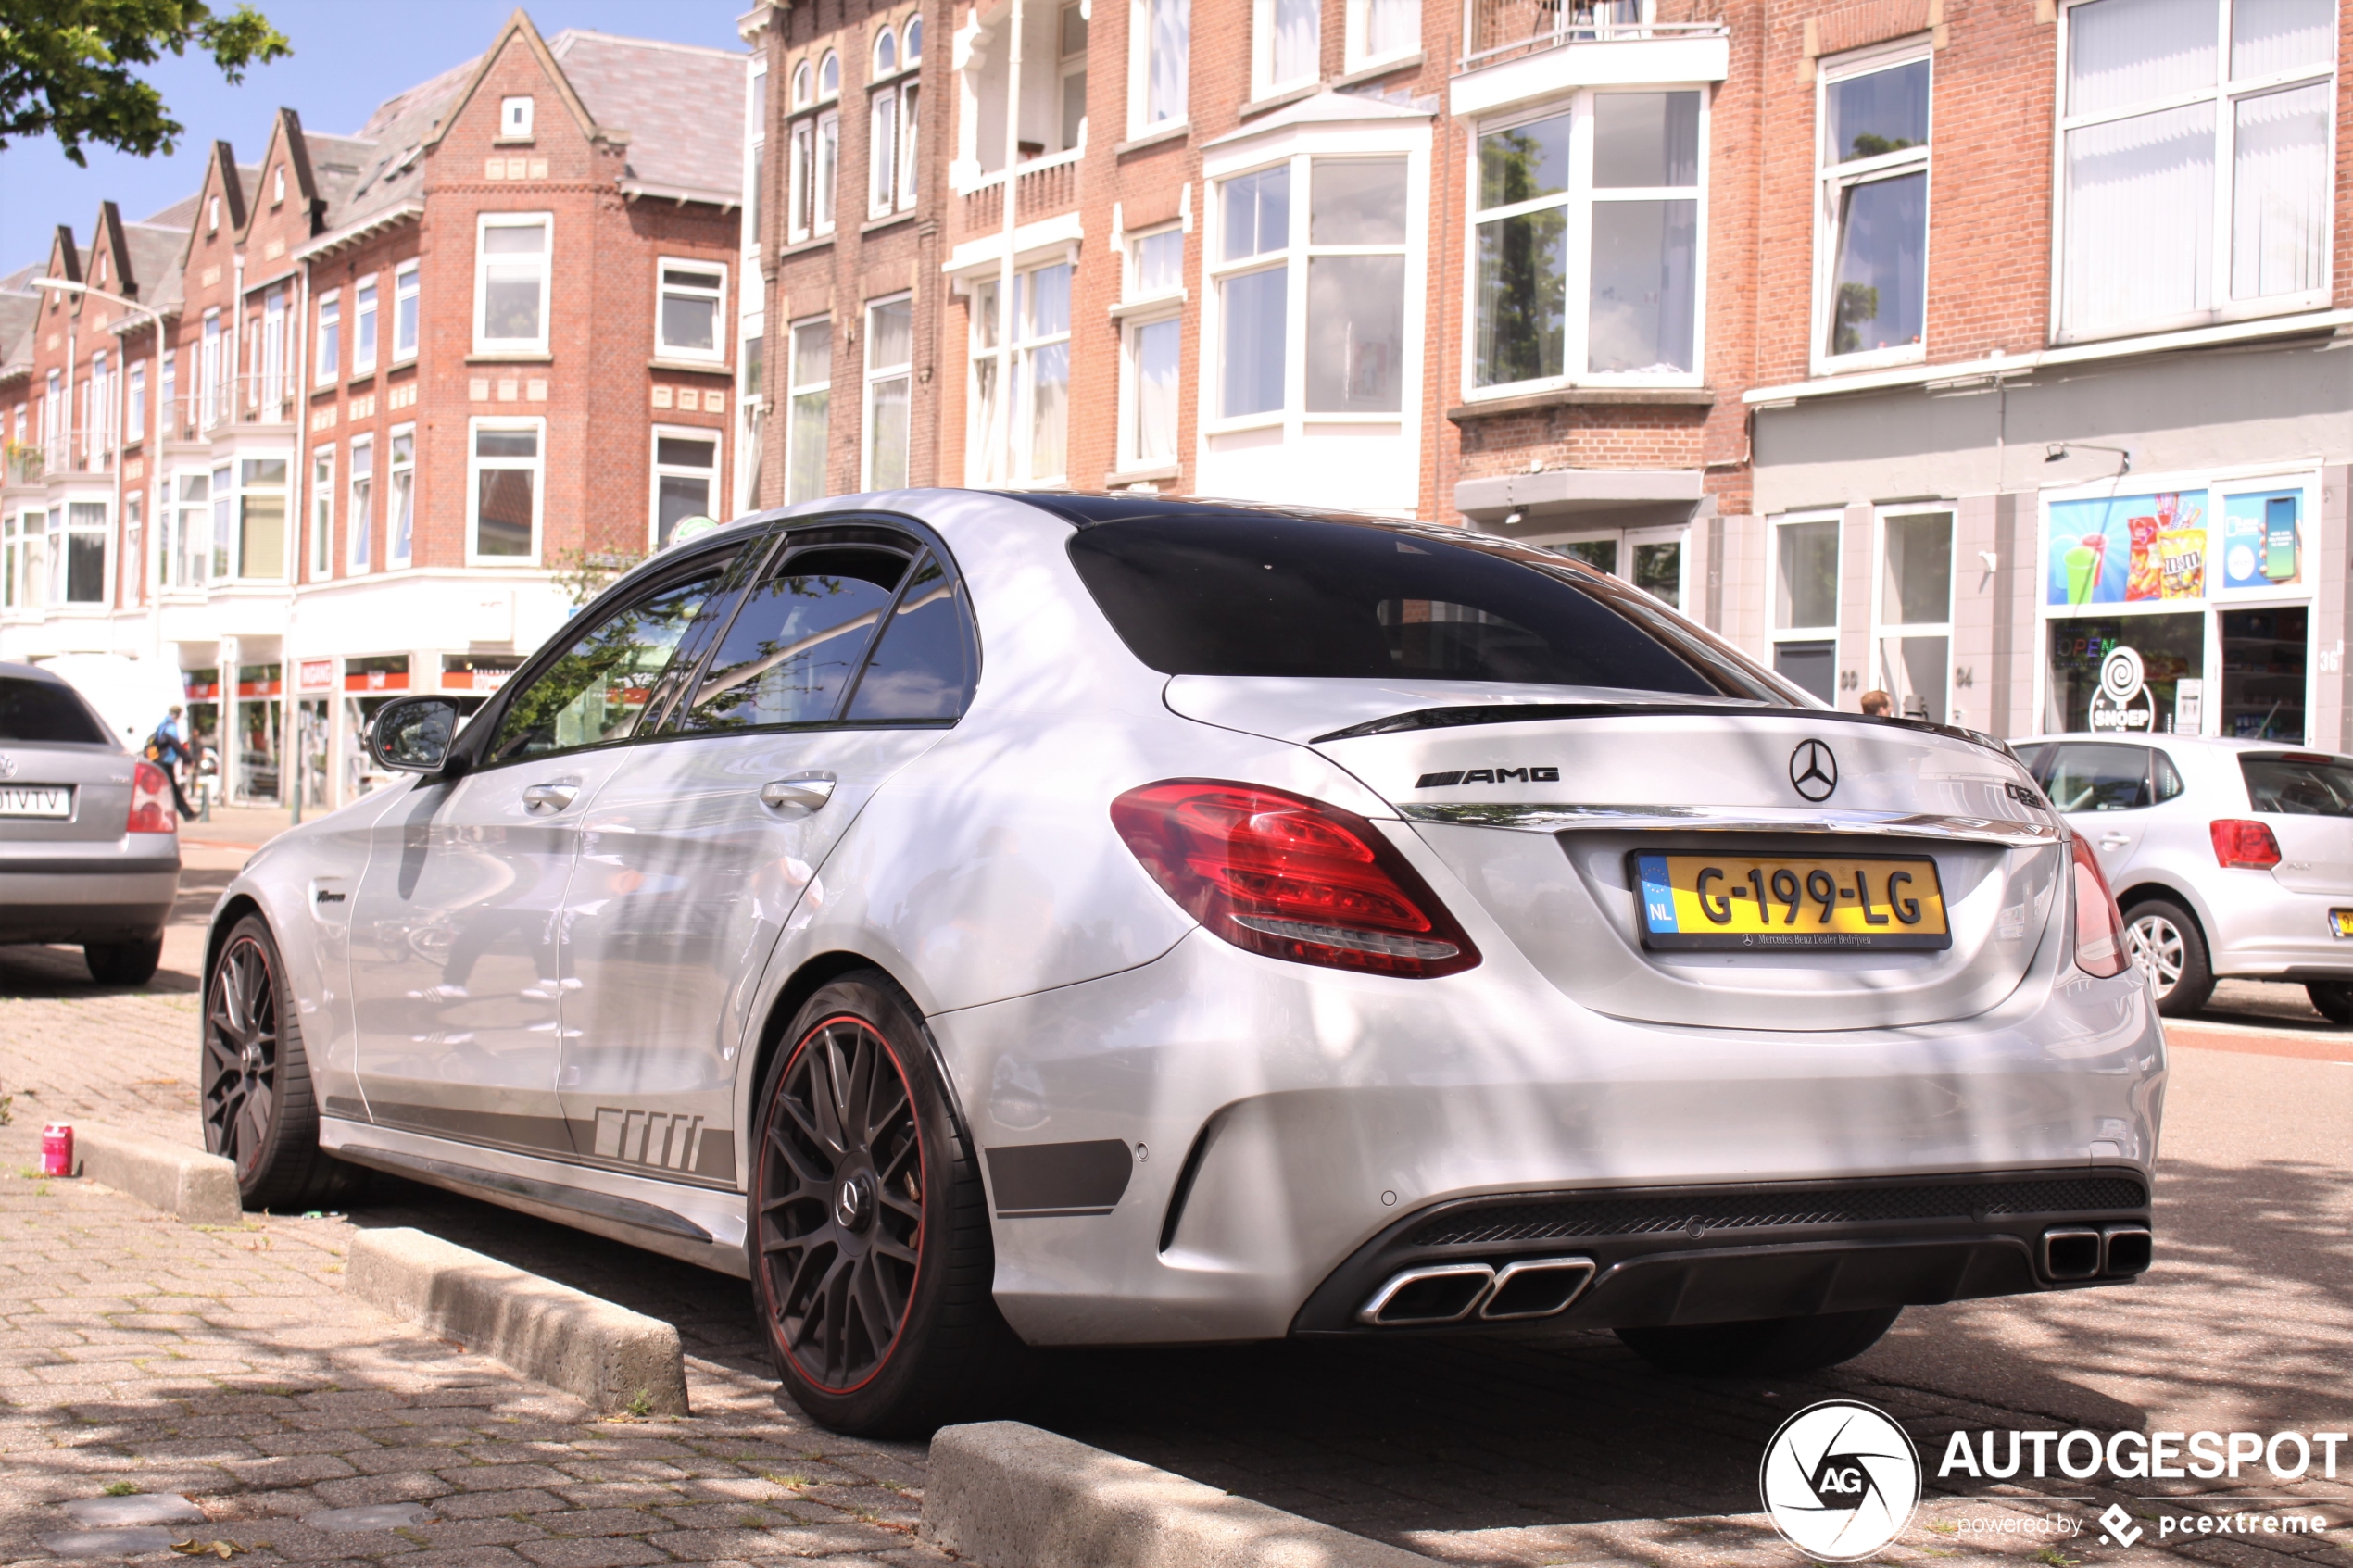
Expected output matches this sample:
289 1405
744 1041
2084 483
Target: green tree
65 67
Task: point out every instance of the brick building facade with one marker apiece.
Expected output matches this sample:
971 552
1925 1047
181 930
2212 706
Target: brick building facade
412 384
1778 308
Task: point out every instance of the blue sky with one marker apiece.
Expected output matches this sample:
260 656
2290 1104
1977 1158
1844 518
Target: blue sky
349 56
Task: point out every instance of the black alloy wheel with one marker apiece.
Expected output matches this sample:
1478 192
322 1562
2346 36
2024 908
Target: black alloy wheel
871 1257
255 1081
842 1202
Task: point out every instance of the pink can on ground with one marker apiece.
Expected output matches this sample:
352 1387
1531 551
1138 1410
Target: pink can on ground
57 1150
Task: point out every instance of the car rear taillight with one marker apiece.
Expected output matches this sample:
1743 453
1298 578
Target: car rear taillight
2244 843
150 801
2099 928
1291 877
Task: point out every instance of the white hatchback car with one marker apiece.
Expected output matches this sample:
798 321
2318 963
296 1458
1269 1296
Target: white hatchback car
1108 920
2230 858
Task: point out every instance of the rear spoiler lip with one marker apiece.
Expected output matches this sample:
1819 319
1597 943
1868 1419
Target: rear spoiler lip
1745 821
1523 712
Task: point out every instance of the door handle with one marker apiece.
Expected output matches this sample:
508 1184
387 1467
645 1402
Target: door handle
550 797
799 794
2114 841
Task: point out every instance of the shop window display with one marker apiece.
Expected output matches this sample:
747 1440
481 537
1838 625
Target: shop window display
2263 673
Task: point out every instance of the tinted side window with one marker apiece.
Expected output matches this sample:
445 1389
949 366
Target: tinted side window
2099 778
926 663
599 687
2299 785
43 712
789 654
1233 593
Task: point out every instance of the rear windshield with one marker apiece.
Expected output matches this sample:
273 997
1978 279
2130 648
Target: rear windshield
2305 785
1235 593
46 711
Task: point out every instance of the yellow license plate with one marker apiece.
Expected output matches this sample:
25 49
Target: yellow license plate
1805 902
2341 922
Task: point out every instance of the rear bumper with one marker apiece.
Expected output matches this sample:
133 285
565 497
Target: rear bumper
87 897
1722 1254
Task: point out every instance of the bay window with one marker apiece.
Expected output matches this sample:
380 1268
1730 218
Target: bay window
503 487
1586 243
1027 440
2198 161
1874 175
78 553
512 260
1312 294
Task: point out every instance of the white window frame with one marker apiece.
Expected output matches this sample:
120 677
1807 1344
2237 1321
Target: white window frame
289 544
1360 144
1579 201
828 77
167 393
367 324
1067 65
1776 634
515 117
322 512
890 184
804 86
359 521
658 470
1140 309
474 466
873 376
134 403
824 194
795 390
1356 56
406 285
800 142
715 292
2225 94
1831 180
1263 83
1009 464
1141 120
910 124
483 223
401 552
329 352
755 153
1881 629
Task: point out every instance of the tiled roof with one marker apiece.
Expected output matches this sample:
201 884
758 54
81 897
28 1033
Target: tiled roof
384 154
154 261
682 105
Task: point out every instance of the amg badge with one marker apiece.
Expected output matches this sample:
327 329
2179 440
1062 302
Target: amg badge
1489 775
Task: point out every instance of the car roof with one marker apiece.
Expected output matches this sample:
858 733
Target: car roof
31 672
2209 743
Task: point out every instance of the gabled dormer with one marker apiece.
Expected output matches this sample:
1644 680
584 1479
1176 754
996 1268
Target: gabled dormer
286 198
110 265
517 121
65 261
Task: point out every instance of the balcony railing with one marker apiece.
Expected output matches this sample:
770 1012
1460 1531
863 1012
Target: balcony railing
240 400
1505 29
1041 188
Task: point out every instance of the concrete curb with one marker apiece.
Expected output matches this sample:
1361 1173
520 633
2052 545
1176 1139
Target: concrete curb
1015 1497
608 1355
196 1186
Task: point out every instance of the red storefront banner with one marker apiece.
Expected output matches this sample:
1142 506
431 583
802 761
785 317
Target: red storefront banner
316 674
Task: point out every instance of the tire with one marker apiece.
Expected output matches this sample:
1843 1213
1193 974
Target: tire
871 1265
2333 999
254 1080
1766 1347
123 964
2164 939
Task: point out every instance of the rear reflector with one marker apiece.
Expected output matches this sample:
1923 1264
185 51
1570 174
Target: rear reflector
2099 929
150 801
1290 877
2244 843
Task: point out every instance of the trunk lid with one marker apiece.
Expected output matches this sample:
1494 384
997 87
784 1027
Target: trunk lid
2305 799
96 782
1544 817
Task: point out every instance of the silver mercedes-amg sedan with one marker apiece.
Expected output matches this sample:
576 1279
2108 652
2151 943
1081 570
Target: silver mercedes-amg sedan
994 919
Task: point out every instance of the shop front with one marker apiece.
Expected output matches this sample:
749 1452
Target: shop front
2180 606
256 766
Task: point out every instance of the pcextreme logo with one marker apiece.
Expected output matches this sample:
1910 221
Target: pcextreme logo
1841 1480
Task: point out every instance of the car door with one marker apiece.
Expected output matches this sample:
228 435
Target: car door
2105 790
851 656
454 972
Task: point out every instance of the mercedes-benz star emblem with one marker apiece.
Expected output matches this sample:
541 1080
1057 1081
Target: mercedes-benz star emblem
1813 771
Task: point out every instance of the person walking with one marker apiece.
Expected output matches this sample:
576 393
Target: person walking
168 750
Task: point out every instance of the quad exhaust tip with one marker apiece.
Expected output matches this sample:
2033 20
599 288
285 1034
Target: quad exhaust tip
2083 1252
1444 1293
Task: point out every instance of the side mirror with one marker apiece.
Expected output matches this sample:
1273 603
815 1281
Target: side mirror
412 735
